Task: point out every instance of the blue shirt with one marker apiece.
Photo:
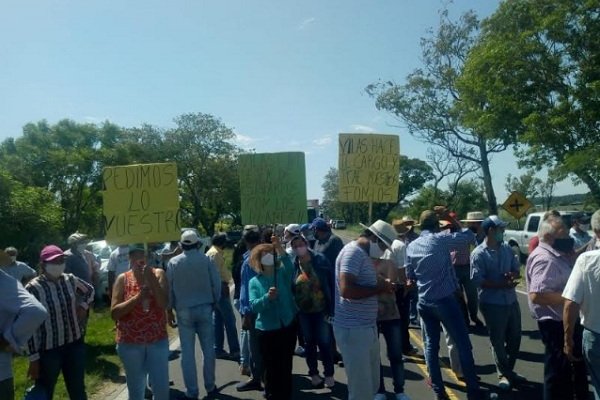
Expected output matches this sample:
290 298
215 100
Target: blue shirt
490 264
193 280
278 313
247 274
352 313
20 316
428 262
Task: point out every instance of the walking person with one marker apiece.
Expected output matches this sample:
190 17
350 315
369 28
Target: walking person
194 287
20 316
496 270
313 295
272 301
57 345
223 316
140 298
356 303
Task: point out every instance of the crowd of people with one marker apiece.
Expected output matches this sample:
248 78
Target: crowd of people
302 291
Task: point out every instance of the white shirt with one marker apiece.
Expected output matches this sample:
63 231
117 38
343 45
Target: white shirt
583 287
397 253
118 261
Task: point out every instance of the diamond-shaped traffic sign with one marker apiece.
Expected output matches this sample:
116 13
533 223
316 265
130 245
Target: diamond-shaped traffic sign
517 205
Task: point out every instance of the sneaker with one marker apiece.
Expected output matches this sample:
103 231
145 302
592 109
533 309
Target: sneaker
299 351
221 354
329 382
234 356
504 384
402 396
442 396
245 370
252 384
316 380
411 351
380 396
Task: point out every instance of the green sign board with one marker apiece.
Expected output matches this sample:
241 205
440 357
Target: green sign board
273 188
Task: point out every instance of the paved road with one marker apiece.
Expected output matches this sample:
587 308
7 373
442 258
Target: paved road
530 365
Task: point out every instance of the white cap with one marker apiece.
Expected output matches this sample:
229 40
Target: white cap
189 237
294 229
383 231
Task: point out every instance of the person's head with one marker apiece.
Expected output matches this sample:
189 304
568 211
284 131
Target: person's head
291 231
262 258
266 235
300 246
12 252
321 228
189 240
554 232
381 236
493 228
473 221
78 241
429 221
595 223
219 240
445 225
581 222
137 256
409 222
251 238
52 261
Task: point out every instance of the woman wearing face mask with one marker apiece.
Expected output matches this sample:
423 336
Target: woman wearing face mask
139 301
313 294
58 344
272 300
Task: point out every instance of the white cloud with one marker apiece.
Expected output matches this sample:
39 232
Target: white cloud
243 139
363 129
304 24
323 141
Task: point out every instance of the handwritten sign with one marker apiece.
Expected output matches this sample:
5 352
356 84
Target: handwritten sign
369 168
273 188
141 203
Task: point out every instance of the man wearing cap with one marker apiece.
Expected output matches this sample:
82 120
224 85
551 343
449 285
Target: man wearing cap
327 243
428 263
495 270
79 261
17 269
579 231
20 316
195 288
356 306
547 272
411 235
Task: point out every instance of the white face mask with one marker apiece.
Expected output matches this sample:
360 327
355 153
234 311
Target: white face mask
55 270
375 251
13 258
584 227
267 260
301 251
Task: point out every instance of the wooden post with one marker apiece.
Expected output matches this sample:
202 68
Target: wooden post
370 212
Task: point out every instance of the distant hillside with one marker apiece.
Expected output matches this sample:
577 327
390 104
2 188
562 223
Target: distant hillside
566 200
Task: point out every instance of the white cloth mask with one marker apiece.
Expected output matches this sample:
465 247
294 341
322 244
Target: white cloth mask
55 270
375 251
267 260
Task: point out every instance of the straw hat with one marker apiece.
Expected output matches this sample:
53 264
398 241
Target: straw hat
473 216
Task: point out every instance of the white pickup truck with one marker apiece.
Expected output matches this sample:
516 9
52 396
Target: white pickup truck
519 240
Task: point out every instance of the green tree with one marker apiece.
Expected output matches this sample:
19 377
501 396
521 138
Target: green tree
534 76
428 103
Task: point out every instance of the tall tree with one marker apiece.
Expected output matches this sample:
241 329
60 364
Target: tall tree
428 102
534 75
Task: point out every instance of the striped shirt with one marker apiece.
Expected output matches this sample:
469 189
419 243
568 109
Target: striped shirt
353 313
428 263
60 298
547 270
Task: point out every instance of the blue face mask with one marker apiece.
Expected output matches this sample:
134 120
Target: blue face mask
499 236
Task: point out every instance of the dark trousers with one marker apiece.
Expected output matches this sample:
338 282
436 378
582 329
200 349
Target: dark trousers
7 389
562 379
256 359
317 333
392 333
403 303
70 359
277 349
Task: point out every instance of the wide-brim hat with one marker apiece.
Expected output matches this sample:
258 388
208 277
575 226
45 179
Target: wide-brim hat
399 226
384 231
474 216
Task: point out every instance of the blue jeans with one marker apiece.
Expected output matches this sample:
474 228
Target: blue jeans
316 332
70 359
392 333
591 355
141 360
194 321
224 319
447 311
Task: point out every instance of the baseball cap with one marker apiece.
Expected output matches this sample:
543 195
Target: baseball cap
384 231
493 221
581 217
320 224
76 238
189 237
304 227
136 247
51 252
294 229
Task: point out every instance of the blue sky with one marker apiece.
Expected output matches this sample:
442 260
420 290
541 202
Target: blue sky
286 76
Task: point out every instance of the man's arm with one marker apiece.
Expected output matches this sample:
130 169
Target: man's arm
546 298
349 289
570 314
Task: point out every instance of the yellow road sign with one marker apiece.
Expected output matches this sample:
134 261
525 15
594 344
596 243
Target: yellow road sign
517 205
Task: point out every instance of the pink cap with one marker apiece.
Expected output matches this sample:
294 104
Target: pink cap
50 253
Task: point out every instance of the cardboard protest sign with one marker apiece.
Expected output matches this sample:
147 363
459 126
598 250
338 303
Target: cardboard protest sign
369 168
141 203
273 188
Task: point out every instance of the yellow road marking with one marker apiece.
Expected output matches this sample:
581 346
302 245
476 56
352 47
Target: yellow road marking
423 367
